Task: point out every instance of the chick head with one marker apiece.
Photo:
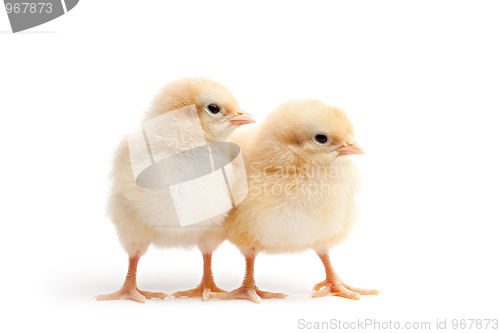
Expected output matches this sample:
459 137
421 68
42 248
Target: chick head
312 130
217 108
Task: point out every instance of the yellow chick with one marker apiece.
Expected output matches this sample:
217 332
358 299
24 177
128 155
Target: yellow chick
137 212
301 188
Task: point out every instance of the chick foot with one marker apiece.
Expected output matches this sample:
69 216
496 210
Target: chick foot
248 289
129 289
334 286
340 289
207 284
252 293
132 293
201 290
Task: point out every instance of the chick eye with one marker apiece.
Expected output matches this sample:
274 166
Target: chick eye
212 108
320 138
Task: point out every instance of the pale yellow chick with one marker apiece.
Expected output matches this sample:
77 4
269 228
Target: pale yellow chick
144 216
301 189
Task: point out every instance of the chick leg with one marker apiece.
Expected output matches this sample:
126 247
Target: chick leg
333 285
248 289
207 284
129 289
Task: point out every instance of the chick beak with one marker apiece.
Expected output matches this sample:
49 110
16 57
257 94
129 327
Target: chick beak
241 118
351 148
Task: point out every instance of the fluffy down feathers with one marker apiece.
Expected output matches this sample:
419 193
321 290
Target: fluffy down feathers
301 193
144 217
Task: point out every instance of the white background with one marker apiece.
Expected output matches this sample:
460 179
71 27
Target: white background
419 79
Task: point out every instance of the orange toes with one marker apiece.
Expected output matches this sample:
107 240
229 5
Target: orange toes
341 289
250 293
151 294
124 293
200 291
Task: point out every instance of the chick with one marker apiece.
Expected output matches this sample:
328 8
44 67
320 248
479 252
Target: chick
301 187
137 212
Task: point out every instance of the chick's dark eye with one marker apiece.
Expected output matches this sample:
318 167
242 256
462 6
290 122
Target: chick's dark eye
320 139
213 108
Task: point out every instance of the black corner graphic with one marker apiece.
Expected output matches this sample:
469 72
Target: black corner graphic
26 14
